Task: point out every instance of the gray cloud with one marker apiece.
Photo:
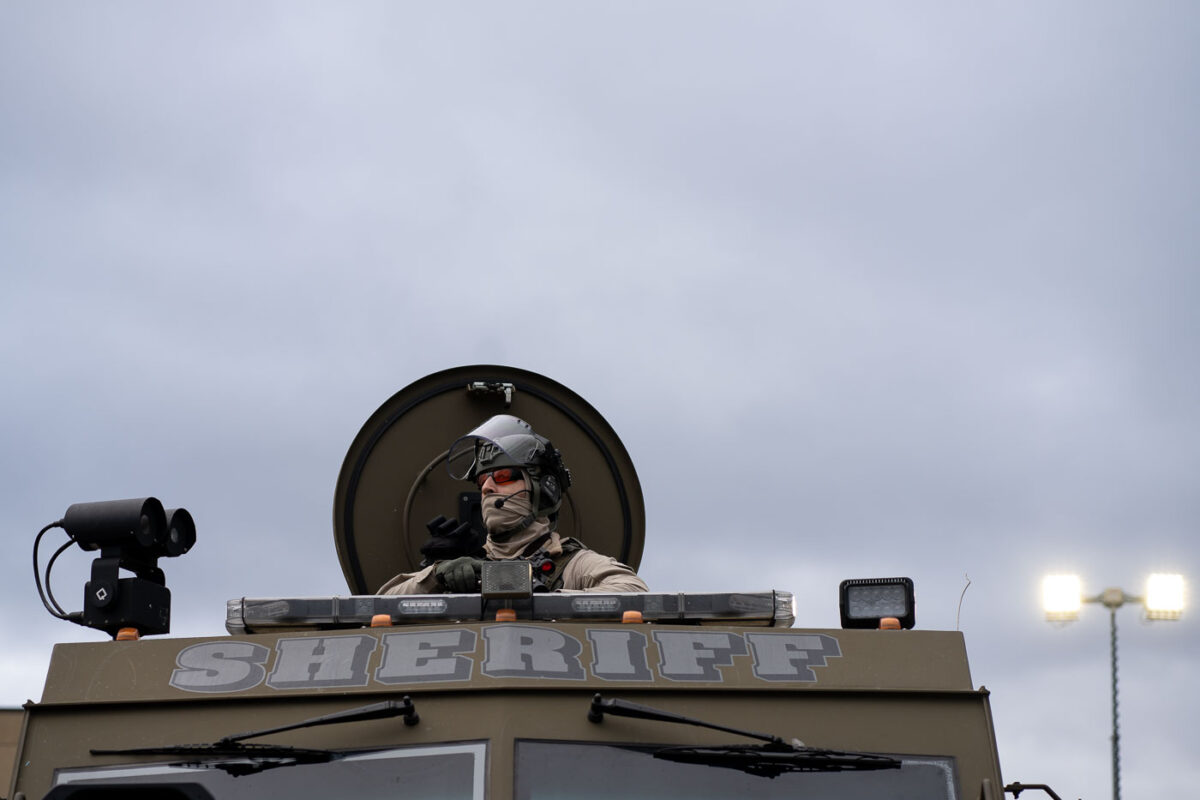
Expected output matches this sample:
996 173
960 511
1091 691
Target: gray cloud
912 289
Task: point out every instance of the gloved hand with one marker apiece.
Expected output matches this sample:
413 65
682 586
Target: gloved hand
448 539
460 575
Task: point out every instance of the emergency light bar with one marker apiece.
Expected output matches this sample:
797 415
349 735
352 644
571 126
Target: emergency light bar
261 615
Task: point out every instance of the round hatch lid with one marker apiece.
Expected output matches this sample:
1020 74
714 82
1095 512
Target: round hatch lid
394 478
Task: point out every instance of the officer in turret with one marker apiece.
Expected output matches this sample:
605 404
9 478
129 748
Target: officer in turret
521 479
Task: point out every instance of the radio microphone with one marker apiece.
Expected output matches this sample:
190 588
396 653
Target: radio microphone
502 500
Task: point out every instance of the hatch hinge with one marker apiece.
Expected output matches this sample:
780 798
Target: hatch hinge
493 387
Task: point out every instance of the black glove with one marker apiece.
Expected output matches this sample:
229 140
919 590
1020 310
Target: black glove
460 575
448 539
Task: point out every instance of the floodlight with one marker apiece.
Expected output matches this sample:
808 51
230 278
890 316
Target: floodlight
865 602
1164 596
1061 597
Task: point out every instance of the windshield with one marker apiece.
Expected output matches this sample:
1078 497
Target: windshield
600 771
442 772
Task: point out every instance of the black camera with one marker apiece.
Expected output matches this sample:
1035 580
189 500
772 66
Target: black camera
130 535
137 529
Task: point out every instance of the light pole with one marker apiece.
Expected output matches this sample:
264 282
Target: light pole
1062 596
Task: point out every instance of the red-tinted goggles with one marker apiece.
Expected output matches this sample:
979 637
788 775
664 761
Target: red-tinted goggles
500 477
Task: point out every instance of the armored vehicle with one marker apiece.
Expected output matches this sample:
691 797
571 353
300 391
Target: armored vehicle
505 693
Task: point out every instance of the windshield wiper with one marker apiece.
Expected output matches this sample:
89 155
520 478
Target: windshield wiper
624 708
771 759
237 758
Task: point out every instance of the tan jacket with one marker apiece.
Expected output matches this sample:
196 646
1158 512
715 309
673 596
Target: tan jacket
587 571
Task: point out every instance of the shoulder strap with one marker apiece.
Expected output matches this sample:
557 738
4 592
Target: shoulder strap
552 578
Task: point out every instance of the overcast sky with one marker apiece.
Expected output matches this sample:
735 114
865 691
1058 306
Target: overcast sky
909 288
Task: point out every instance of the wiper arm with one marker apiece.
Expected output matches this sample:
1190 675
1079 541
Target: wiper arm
624 708
388 708
246 759
771 759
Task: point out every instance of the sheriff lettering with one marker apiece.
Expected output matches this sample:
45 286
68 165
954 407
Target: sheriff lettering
500 652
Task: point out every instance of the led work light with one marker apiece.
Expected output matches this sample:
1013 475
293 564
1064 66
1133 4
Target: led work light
867 602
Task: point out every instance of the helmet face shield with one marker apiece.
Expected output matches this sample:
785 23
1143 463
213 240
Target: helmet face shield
502 441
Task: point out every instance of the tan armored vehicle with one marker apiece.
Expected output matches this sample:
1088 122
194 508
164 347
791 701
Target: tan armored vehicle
507 693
